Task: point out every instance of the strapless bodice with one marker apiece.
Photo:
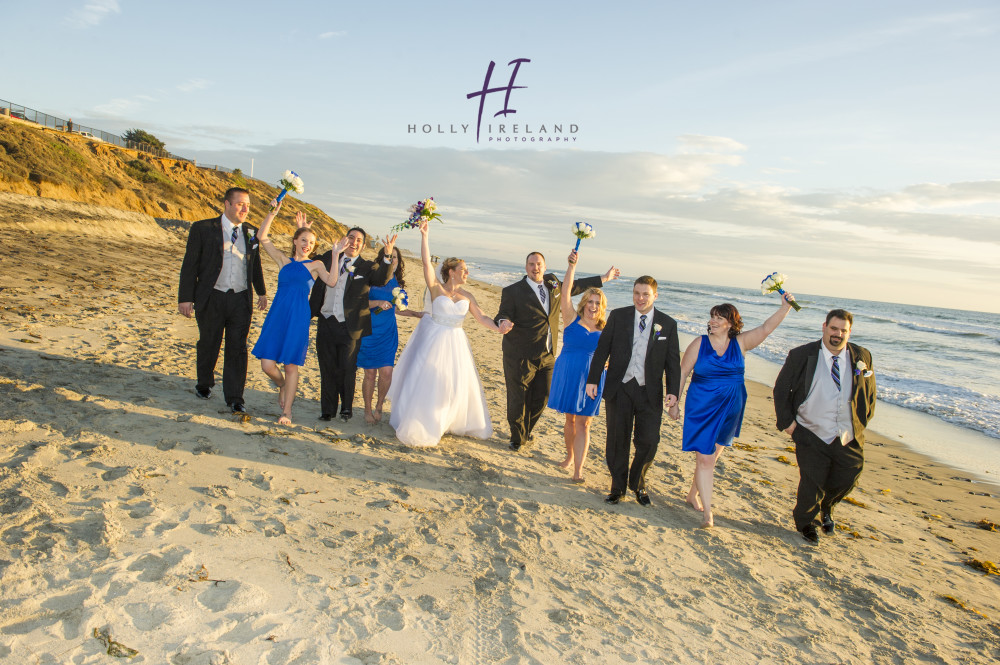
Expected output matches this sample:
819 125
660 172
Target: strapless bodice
448 312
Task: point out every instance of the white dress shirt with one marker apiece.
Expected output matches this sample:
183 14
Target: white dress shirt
827 411
640 342
545 306
234 267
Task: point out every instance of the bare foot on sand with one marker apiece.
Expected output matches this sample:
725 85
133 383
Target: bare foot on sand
708 523
578 480
694 501
566 463
285 419
369 417
378 415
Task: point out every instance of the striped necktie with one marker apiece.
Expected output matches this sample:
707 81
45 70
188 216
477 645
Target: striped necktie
236 231
835 371
541 292
343 266
642 323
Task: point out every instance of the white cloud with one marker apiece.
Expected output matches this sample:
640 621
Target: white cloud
332 33
194 84
93 12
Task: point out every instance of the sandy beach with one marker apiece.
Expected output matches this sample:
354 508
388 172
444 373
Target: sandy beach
137 516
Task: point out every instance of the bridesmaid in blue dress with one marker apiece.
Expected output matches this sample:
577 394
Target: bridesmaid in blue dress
569 376
377 354
284 337
713 408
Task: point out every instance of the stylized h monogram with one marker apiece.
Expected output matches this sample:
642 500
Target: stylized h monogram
487 90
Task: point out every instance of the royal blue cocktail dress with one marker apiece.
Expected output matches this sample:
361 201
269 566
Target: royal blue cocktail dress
716 399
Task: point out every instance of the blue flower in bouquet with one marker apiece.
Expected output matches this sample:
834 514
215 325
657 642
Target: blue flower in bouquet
419 211
290 182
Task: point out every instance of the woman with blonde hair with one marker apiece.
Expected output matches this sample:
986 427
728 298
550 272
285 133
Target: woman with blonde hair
436 388
569 376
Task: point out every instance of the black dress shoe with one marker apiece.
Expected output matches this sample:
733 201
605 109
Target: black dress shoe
809 533
326 417
642 498
828 524
346 415
203 393
515 446
614 497
239 408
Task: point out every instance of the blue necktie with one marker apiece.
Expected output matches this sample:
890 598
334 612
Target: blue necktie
541 292
642 323
835 371
343 266
236 231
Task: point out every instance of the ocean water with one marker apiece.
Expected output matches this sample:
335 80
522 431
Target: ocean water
935 363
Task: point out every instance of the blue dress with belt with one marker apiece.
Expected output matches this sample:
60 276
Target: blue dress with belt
716 399
379 348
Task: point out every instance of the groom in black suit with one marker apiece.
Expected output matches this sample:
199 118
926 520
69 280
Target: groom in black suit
824 397
529 322
640 346
343 319
221 263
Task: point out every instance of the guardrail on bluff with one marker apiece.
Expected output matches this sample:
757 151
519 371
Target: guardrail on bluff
63 125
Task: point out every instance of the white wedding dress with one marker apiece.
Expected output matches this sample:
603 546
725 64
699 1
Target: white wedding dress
435 387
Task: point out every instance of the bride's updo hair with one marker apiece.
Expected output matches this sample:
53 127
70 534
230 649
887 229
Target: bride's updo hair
447 266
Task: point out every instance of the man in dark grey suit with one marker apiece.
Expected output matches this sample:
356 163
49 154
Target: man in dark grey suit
221 264
824 397
639 344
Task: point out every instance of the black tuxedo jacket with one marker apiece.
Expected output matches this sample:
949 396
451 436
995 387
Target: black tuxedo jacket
663 356
366 275
203 262
519 305
795 378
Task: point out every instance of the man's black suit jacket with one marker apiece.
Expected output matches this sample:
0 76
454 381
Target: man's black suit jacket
663 358
203 262
795 378
519 304
366 274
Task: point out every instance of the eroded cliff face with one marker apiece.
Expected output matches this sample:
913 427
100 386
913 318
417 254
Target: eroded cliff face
37 161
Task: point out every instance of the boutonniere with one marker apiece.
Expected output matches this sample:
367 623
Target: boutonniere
251 234
552 284
350 269
861 368
657 328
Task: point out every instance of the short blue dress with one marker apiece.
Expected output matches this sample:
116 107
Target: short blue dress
379 348
284 337
569 376
716 399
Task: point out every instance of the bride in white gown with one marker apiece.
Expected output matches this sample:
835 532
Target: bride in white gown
435 386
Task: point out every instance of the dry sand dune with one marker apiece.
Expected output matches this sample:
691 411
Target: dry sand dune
137 516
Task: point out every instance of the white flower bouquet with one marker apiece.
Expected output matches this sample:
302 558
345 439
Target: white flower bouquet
774 282
582 231
290 182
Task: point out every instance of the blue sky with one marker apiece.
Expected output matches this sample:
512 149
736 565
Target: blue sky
852 145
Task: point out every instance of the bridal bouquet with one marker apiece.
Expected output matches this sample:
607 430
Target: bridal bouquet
399 298
419 211
582 231
290 182
774 282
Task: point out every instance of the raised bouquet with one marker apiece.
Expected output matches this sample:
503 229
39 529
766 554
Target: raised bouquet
419 211
582 231
774 282
290 182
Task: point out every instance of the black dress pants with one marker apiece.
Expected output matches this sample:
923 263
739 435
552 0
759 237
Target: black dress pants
827 473
337 353
628 412
528 382
226 314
